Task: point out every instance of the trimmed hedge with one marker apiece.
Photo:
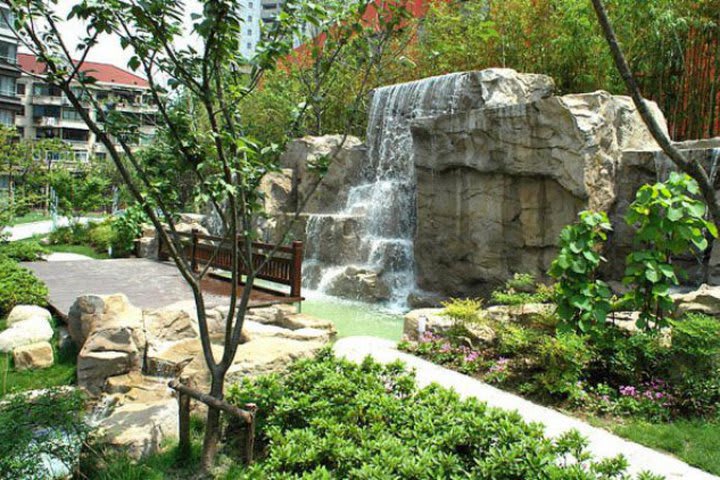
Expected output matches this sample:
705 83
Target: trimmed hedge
23 251
18 286
329 418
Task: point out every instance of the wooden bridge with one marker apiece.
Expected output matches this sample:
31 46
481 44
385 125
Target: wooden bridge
153 284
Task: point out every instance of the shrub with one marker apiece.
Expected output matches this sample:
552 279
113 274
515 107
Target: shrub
102 236
23 251
696 344
329 418
522 289
18 286
514 339
582 299
464 313
50 424
127 228
75 234
669 221
563 359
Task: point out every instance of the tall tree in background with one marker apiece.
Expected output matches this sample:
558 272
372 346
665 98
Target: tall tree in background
226 164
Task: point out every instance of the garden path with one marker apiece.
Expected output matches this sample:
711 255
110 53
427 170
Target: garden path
601 443
28 230
147 284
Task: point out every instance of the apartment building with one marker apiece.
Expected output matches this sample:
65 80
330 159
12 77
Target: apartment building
9 103
257 13
47 113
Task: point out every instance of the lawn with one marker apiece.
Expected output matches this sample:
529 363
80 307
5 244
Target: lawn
86 250
62 373
31 217
695 441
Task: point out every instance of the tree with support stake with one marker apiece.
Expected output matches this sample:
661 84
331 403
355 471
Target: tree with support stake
208 143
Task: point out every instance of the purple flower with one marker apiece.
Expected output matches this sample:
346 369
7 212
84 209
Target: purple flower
628 391
445 347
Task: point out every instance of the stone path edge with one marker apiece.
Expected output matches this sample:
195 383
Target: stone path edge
601 442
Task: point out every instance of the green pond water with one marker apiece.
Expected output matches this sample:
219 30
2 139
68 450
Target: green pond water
355 318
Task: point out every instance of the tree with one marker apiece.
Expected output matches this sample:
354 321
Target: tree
688 165
80 190
226 163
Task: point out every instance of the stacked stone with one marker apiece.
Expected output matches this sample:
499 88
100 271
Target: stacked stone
28 337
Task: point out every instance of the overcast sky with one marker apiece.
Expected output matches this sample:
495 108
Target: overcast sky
108 49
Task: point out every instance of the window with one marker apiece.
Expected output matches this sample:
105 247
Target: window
46 111
101 156
75 135
8 52
249 46
7 86
21 132
45 90
6 18
21 89
7 117
22 112
81 156
71 114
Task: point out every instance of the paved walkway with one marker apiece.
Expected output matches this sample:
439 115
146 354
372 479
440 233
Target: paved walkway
67 257
147 283
27 230
602 443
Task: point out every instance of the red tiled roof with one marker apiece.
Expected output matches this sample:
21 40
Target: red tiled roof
102 72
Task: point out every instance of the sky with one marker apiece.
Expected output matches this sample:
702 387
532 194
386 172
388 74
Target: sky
108 50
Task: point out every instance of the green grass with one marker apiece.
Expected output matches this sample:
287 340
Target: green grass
80 250
60 374
695 441
31 217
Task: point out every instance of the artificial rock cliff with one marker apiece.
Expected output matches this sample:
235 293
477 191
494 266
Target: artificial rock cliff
492 180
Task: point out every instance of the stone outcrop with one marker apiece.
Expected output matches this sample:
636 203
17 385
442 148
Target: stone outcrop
496 186
34 356
128 355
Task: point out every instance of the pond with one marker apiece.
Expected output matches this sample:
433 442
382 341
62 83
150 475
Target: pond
354 318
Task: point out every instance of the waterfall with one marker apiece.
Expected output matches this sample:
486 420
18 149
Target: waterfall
384 203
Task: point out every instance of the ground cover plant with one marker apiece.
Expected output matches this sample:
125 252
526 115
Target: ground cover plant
19 286
330 418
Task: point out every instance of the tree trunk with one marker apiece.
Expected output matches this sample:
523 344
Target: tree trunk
212 425
687 165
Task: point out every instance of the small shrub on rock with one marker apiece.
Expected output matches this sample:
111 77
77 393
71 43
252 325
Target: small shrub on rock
523 289
564 359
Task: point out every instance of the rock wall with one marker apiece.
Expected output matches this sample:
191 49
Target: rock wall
496 186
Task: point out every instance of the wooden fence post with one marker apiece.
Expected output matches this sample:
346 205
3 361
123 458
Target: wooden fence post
295 288
184 448
250 439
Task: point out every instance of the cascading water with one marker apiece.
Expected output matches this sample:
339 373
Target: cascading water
384 204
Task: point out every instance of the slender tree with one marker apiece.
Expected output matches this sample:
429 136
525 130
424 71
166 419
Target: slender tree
227 164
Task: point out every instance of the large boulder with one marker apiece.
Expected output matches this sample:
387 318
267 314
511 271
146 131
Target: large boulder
90 311
140 428
360 284
25 332
705 299
25 312
33 356
270 355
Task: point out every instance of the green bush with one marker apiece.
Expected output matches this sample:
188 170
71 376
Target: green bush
50 424
19 286
515 340
23 251
329 418
522 289
102 236
583 300
669 221
696 344
75 234
128 228
564 359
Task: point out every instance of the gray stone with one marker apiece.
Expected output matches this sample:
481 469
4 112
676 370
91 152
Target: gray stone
360 284
25 312
705 299
94 368
435 321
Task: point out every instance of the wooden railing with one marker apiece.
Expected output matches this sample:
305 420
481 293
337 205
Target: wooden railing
277 264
